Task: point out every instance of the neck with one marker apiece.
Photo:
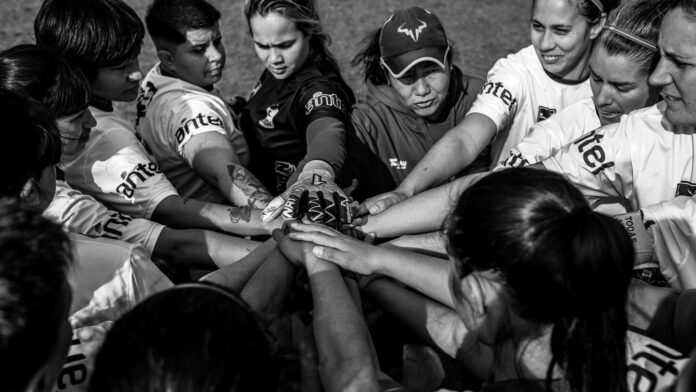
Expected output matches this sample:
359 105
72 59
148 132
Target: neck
101 103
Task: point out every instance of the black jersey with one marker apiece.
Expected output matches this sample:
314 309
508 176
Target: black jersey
278 112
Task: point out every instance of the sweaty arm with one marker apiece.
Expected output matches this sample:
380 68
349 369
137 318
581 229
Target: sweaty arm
214 159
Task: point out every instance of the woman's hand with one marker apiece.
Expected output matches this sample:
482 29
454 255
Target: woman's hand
376 204
330 245
298 252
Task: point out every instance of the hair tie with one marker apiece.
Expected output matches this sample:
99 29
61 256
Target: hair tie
599 5
632 38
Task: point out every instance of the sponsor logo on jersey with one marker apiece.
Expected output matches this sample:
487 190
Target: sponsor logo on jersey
498 90
592 152
413 33
545 113
326 100
515 160
397 164
113 228
685 188
271 112
283 171
653 367
74 371
138 175
145 96
194 123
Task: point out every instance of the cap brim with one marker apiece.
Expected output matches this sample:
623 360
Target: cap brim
399 65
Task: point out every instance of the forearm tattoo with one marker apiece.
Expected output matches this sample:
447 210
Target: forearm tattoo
238 214
248 184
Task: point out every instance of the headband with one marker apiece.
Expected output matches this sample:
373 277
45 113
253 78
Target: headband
631 37
599 5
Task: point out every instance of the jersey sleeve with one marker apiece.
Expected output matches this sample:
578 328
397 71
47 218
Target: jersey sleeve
195 115
544 139
126 177
501 95
599 164
82 214
674 232
322 98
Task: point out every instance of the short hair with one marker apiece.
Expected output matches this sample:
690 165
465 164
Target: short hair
43 74
168 20
91 33
35 255
640 18
31 141
561 264
192 337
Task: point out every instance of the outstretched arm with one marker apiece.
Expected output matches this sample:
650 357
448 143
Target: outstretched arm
214 159
450 155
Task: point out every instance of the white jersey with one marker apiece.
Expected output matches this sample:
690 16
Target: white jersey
652 366
170 112
107 279
115 169
518 93
650 164
546 137
82 214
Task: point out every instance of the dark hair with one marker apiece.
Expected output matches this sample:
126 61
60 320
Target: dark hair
305 16
641 18
589 10
31 141
193 337
91 33
370 57
561 264
41 73
34 257
168 20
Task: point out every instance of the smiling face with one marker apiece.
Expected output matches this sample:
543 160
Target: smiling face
423 89
619 86
281 47
675 74
201 58
118 83
74 131
561 37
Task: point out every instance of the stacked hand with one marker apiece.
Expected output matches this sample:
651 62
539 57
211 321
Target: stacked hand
376 204
314 195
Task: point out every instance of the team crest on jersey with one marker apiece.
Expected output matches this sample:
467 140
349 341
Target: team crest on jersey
685 188
545 113
271 112
145 96
321 99
283 171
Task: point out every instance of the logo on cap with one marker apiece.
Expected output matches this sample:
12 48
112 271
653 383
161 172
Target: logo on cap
413 33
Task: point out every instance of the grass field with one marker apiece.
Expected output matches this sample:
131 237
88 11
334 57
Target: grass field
483 31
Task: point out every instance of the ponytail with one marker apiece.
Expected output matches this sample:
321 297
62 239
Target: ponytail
562 266
369 57
588 340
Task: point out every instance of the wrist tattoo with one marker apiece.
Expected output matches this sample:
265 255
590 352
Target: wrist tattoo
238 214
248 184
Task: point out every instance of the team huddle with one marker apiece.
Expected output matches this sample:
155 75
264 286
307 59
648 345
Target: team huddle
533 230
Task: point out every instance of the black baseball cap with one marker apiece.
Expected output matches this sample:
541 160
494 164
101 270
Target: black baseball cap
411 36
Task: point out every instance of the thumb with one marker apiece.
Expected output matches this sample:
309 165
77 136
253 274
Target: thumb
273 209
